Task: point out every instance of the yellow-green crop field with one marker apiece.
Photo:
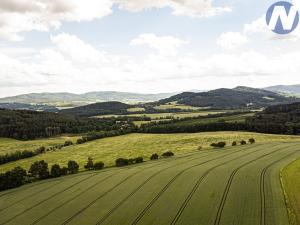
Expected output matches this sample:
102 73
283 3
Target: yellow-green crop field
291 183
134 145
236 185
8 145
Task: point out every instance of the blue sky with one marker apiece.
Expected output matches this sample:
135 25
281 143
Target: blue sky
141 46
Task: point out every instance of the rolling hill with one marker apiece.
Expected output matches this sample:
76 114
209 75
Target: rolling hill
285 89
68 99
102 108
22 106
239 97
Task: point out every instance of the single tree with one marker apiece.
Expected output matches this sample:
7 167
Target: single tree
154 156
39 170
64 171
90 164
73 167
243 142
98 165
55 170
251 140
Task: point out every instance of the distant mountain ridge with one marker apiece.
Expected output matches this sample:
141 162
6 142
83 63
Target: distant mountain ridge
65 98
238 97
288 89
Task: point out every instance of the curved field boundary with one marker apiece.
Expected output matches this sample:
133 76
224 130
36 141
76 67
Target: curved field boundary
228 186
56 194
139 217
101 220
196 186
99 182
93 174
38 183
114 187
263 188
63 180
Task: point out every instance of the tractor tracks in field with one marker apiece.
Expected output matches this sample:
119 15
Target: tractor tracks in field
149 205
46 199
67 188
117 185
196 186
263 188
229 183
91 187
119 204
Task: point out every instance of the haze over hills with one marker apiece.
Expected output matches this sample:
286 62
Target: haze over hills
286 89
236 98
69 99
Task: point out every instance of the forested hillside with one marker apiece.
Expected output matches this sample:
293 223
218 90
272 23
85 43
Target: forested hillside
239 97
98 109
23 124
280 119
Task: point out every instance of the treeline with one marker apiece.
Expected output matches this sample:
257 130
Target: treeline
10 157
40 170
177 125
103 134
280 119
28 125
192 128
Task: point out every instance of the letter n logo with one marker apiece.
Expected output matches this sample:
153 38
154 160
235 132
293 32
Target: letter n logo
282 17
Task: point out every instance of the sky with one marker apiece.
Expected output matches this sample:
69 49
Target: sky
143 46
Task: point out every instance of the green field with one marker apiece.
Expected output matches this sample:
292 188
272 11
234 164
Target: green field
234 186
233 118
156 116
8 145
134 145
291 183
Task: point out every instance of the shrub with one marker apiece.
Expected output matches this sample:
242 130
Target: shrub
243 142
154 156
90 164
64 171
139 160
98 165
68 143
39 170
13 178
121 162
234 143
73 167
79 141
251 140
220 144
168 154
56 171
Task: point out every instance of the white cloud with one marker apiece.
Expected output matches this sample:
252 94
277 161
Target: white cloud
70 64
165 45
231 40
191 8
18 16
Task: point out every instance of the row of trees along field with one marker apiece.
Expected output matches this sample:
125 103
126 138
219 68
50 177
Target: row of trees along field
39 170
